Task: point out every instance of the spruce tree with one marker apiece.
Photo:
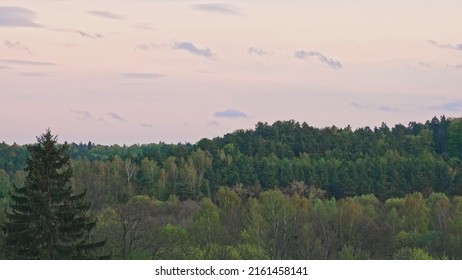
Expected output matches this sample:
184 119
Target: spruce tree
46 219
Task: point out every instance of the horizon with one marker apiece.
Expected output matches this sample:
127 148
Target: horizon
127 72
390 126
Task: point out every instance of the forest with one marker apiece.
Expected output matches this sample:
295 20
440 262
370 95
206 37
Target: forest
285 190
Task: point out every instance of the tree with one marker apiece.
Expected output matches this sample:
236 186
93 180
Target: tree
407 253
455 138
276 229
4 183
416 215
46 220
132 229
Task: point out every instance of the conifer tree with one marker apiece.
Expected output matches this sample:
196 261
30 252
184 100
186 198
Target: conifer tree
46 219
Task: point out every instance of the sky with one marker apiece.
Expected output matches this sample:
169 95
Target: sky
146 71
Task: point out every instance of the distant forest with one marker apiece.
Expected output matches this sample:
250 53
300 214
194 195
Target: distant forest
285 190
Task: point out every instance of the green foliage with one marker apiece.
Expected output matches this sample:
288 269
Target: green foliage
207 228
384 161
4 184
455 138
3 208
47 221
347 253
285 190
416 216
412 254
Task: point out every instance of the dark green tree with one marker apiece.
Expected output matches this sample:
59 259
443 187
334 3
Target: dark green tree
46 219
455 138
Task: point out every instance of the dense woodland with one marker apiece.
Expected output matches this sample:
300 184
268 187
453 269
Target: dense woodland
280 191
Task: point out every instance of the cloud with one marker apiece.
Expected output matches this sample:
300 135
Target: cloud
361 106
357 105
230 113
138 75
79 32
190 47
25 62
144 26
116 117
457 66
82 115
34 74
16 46
457 47
217 8
4 67
334 64
213 124
17 17
105 14
386 108
453 106
425 65
257 51
147 47
147 125
87 35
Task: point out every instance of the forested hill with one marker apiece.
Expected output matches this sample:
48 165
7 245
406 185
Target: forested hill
385 161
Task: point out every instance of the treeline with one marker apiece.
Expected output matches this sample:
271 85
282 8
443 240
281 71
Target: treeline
386 162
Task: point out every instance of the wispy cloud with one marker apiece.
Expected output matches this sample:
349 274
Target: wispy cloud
357 105
457 66
386 108
82 115
88 35
191 48
17 17
230 113
16 46
139 75
106 14
453 106
332 63
79 32
217 8
86 116
213 124
4 67
457 47
34 74
116 117
425 65
22 17
414 64
361 106
25 62
147 125
147 47
257 51
144 26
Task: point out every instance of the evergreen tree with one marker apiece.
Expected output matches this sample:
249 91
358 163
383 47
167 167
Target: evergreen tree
46 220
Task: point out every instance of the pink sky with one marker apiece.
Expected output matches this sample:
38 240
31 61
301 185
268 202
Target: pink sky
143 71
